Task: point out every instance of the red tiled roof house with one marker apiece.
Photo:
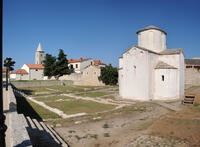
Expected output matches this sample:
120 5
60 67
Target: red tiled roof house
79 64
20 74
35 71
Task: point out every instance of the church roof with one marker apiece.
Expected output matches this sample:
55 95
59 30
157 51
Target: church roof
35 66
171 51
151 27
145 49
163 65
165 52
39 49
20 71
192 61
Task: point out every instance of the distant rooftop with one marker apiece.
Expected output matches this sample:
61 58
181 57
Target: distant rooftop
35 66
192 61
77 60
151 27
20 71
98 62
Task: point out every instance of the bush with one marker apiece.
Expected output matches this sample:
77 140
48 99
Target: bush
109 75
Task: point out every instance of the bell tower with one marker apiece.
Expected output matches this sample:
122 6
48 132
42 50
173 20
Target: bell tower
39 55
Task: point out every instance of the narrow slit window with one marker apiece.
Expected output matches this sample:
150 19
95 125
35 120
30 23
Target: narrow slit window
163 78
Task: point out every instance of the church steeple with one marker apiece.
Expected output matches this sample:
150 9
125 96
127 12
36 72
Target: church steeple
39 55
39 47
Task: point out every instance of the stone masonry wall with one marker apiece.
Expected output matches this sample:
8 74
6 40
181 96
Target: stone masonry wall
42 83
192 77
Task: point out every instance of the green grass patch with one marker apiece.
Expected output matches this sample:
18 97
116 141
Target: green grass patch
69 88
42 112
95 136
33 90
53 99
106 135
105 126
94 94
71 131
78 106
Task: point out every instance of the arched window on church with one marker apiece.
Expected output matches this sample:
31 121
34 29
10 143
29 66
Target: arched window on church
163 78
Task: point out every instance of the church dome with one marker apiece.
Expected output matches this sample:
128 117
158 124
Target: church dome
152 38
151 27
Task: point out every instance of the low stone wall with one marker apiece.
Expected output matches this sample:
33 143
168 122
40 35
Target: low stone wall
41 83
192 77
16 134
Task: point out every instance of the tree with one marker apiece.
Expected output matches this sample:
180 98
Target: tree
61 66
109 75
49 64
8 63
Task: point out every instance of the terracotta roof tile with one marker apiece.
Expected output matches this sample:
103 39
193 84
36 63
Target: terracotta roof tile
98 62
20 71
4 70
35 66
77 60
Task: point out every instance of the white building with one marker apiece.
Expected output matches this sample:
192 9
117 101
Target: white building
80 64
31 71
20 74
150 70
35 71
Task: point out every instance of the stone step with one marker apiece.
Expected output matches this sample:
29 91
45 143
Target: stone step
64 144
40 134
29 120
50 133
38 125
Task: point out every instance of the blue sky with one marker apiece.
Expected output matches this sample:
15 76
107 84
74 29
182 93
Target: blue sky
100 29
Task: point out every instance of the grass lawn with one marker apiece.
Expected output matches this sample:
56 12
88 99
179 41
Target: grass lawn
33 90
69 88
42 112
78 106
52 99
94 94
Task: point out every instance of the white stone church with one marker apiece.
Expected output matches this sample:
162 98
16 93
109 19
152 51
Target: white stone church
150 71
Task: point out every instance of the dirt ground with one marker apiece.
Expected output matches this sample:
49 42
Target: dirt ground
139 125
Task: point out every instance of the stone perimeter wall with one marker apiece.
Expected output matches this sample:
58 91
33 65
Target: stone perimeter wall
192 77
16 134
42 83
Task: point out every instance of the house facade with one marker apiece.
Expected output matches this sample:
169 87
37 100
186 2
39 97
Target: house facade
35 71
151 71
79 64
20 74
